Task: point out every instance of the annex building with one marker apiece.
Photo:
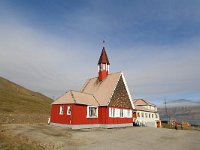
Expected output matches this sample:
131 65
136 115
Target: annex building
146 113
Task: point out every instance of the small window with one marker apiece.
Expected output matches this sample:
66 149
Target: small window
125 111
92 112
121 113
142 115
146 115
149 115
138 114
113 112
69 109
156 115
61 110
117 112
152 115
128 113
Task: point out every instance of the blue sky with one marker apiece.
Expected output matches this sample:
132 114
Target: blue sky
52 46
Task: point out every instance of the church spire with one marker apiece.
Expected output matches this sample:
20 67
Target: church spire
103 59
103 65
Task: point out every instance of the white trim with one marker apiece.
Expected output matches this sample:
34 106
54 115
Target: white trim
119 113
110 112
129 95
61 110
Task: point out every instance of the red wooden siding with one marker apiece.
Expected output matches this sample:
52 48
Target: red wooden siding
79 115
63 118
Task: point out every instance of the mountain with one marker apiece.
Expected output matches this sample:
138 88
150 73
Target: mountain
182 102
181 110
21 105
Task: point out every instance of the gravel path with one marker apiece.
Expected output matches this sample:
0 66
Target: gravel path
138 138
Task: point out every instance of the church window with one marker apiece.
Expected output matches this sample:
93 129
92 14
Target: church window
61 110
69 109
92 112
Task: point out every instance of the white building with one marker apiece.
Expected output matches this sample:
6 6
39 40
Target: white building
146 113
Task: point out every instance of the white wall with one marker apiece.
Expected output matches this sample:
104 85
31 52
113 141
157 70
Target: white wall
143 117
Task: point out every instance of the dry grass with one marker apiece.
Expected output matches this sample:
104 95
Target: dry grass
20 105
32 136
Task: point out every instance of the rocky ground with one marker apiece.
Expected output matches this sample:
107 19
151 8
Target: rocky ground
41 136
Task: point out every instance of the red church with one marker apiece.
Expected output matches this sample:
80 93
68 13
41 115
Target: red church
103 101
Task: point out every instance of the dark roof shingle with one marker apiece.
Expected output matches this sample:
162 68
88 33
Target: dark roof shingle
103 59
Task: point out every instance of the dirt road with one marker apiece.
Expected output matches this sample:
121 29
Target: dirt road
138 138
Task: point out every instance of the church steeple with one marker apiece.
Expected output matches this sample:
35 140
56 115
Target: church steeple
103 65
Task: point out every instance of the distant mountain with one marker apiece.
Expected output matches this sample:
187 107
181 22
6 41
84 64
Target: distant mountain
181 110
20 105
181 102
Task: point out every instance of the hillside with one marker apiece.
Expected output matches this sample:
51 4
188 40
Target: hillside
20 105
182 110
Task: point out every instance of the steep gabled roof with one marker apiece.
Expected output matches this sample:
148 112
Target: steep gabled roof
103 58
102 90
95 92
142 102
73 97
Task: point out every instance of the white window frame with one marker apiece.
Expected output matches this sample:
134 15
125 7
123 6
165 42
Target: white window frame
110 112
113 112
88 113
121 113
125 113
61 110
142 114
117 113
69 110
129 115
138 114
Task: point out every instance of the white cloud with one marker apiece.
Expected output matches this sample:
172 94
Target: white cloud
52 63
165 70
37 61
